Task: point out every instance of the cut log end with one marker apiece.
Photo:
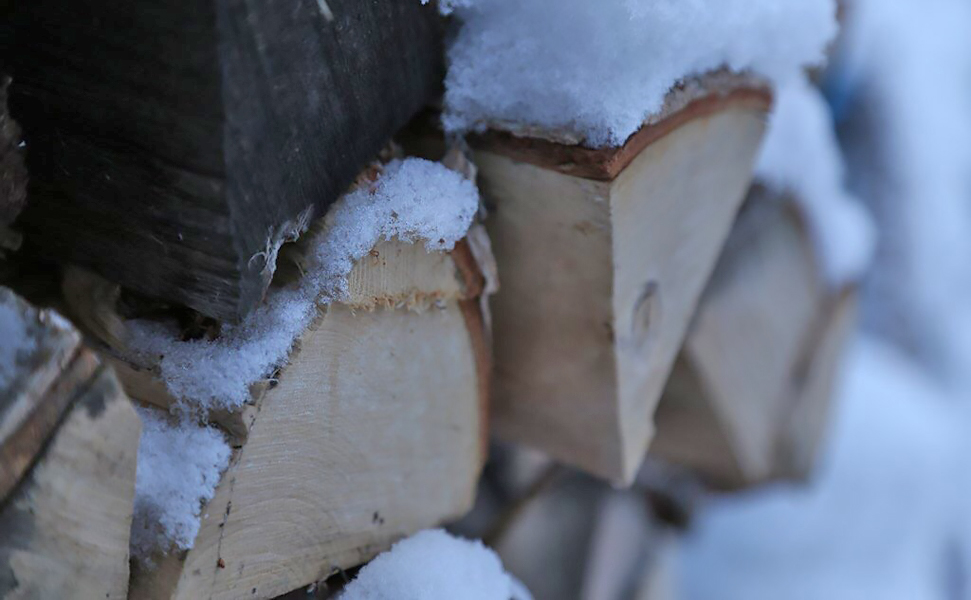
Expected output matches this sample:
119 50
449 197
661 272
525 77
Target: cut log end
382 405
603 255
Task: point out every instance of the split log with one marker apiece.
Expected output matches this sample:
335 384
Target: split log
174 148
545 546
603 255
69 442
748 399
374 430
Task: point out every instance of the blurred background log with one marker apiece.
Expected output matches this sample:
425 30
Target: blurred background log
749 397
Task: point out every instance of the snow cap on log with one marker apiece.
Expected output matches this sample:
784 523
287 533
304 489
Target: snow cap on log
595 71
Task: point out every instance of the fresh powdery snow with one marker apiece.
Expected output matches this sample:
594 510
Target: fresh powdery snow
597 70
800 155
413 200
433 565
179 464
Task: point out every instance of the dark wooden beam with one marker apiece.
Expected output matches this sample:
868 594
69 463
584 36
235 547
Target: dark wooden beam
173 146
13 174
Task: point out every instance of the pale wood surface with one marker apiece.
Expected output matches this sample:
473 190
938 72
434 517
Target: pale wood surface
396 274
673 209
374 431
555 366
599 280
64 531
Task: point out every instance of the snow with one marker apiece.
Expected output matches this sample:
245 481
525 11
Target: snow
877 521
433 565
902 85
598 69
16 342
801 156
413 199
179 464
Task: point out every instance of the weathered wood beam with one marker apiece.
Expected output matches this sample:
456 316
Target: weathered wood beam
603 255
174 147
13 174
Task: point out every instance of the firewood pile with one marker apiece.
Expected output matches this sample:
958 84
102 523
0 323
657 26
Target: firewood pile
263 316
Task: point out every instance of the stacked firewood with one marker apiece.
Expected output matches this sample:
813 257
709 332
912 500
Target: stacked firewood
189 168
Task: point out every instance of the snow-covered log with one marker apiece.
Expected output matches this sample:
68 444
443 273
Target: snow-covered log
749 397
603 254
68 442
373 429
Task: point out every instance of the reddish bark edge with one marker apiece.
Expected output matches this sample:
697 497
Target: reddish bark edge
473 281
473 285
475 324
605 164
